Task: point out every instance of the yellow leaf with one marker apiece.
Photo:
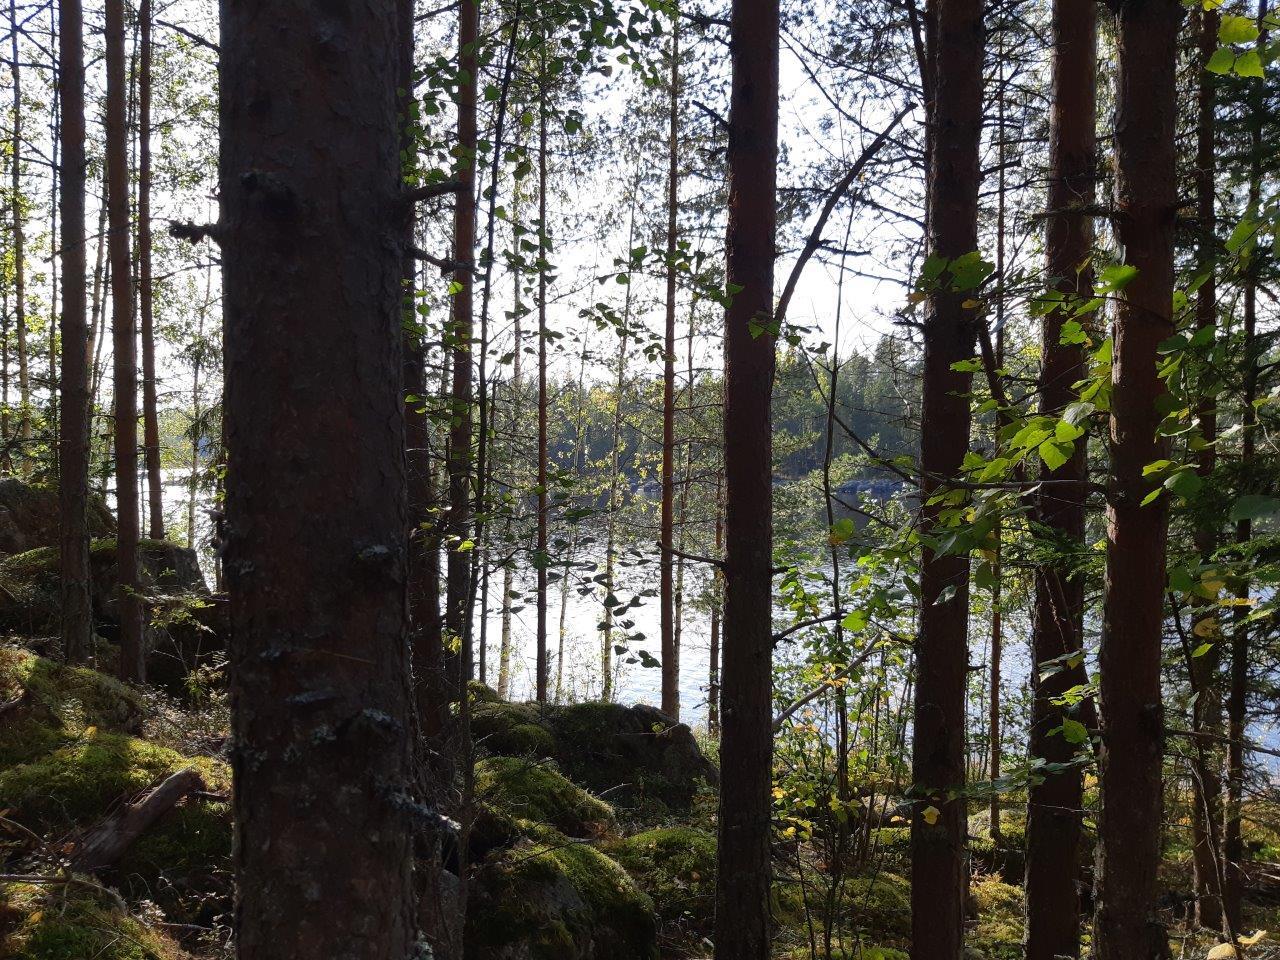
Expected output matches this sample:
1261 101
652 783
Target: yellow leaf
1223 951
35 917
931 815
1208 627
90 731
1253 938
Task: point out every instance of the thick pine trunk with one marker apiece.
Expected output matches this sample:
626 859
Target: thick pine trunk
541 558
124 345
73 432
146 298
746 739
316 526
1125 922
1054 805
938 823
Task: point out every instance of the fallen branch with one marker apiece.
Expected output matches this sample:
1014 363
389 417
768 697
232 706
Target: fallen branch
106 843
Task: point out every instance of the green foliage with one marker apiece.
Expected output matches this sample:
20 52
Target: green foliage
527 790
74 922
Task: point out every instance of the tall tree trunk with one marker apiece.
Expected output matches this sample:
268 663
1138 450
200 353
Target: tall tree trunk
938 823
1054 802
717 598
73 432
1206 786
746 740
19 234
125 386
310 179
1125 921
1237 695
670 654
146 297
458 584
541 559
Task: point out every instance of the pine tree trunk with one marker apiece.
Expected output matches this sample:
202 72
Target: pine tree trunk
746 741
458 585
938 823
1237 696
541 558
670 656
1054 804
19 235
73 432
124 345
1206 783
315 538
146 299
1125 921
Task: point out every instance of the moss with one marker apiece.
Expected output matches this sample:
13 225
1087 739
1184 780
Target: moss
79 782
999 930
511 729
482 692
525 790
881 904
74 923
183 863
676 866
558 898
58 703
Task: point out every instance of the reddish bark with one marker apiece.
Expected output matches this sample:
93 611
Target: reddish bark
1125 921
316 507
746 741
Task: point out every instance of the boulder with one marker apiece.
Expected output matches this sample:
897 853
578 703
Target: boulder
554 897
29 516
524 789
631 754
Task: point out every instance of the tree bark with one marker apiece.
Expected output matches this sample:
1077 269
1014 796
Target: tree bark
1055 802
19 234
310 177
670 654
1206 714
124 345
541 558
938 823
1238 690
746 742
1125 921
73 432
458 582
146 298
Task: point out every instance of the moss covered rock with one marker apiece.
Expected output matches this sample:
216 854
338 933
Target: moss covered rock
554 899
74 922
51 704
676 867
29 516
525 790
634 753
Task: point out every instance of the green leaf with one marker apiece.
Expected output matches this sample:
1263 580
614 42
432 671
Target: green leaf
1221 62
1201 650
1115 277
1055 454
1185 483
1249 64
1073 731
856 620
1237 29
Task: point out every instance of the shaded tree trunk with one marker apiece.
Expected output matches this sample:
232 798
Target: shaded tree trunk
458 583
1054 803
1206 714
541 558
146 298
73 431
938 823
310 178
19 233
124 345
1125 921
670 653
1238 689
746 740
